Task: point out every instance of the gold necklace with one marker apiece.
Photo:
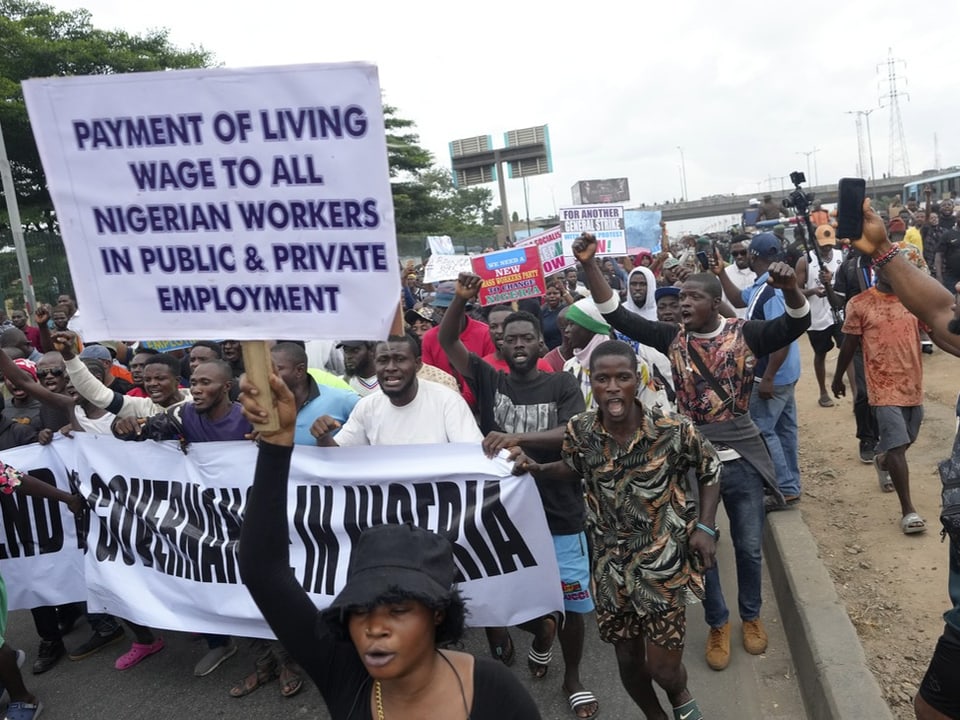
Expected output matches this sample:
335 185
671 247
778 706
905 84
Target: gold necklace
378 695
378 692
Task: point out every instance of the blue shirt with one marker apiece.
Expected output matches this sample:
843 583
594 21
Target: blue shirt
769 306
332 401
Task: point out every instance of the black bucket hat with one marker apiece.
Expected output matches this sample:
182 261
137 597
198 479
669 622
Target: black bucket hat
396 558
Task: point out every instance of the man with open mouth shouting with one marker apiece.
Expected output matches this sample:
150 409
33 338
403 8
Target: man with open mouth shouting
712 361
528 407
649 542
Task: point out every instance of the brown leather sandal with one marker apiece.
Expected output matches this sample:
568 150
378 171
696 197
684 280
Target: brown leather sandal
290 680
266 672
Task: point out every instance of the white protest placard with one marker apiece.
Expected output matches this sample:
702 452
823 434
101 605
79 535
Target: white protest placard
195 201
445 267
550 243
605 222
440 244
162 528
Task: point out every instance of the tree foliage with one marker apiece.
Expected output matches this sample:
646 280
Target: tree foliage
406 156
430 204
425 199
37 40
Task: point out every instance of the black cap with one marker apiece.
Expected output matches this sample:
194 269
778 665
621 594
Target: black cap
421 313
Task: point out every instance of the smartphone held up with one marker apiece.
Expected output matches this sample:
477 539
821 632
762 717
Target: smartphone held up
703 260
852 192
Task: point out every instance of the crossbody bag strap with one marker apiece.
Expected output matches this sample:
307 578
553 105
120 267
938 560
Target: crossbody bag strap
709 377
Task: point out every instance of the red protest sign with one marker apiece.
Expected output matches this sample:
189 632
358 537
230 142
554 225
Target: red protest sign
509 275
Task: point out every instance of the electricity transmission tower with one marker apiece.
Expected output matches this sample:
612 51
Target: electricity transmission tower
899 162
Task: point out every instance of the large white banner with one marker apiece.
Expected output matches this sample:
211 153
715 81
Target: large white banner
41 558
250 199
161 537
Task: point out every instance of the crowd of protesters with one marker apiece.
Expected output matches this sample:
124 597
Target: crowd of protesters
640 392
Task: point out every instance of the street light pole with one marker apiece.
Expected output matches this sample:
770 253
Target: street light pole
866 114
799 152
526 202
16 229
683 175
504 210
808 154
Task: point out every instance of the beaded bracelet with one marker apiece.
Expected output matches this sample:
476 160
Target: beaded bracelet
709 531
886 257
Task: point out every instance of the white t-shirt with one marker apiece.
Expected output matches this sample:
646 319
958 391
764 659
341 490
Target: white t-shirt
742 279
98 426
436 415
363 386
821 316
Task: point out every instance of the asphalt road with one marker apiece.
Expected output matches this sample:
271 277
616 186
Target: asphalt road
163 686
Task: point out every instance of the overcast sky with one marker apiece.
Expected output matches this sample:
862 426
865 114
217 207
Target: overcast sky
741 87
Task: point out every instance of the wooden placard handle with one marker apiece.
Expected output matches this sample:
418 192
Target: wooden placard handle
397 328
258 365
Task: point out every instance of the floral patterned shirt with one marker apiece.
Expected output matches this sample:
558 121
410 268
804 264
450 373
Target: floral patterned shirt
639 511
730 353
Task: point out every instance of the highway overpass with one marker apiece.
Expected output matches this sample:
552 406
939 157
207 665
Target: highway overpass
736 204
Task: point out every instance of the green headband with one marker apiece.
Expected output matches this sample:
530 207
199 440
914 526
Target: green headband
578 316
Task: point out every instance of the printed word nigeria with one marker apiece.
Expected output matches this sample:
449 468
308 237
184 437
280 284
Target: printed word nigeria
487 546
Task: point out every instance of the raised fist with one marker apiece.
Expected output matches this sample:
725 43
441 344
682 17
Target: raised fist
468 286
585 247
781 276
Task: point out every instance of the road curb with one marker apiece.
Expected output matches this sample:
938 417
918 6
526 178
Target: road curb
835 682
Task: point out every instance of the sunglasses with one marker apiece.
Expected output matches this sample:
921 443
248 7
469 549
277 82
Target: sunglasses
738 253
56 372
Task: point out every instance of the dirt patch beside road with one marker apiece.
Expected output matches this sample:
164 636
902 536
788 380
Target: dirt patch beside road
894 586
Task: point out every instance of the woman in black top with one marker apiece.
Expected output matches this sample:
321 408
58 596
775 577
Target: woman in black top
375 653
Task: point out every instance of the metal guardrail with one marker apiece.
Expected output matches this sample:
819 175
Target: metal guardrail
735 204
413 246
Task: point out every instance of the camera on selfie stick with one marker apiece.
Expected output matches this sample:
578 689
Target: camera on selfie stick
800 200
